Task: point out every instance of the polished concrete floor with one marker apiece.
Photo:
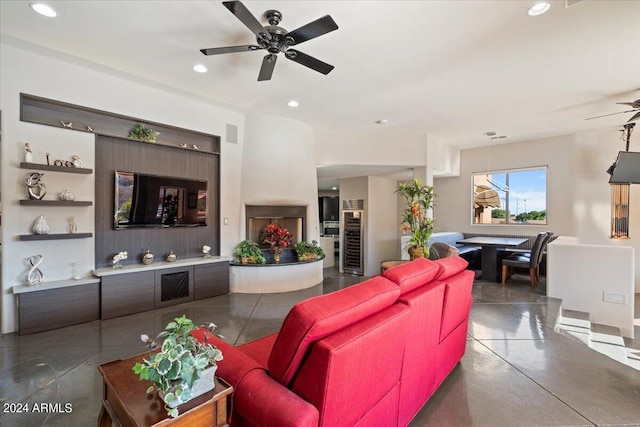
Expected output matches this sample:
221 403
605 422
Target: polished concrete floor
517 370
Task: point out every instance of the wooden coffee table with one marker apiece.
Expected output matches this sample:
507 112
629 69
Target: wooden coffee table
126 402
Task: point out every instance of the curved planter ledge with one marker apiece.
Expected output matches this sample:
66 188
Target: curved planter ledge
273 278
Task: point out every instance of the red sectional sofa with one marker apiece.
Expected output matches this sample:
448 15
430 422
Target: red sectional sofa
368 355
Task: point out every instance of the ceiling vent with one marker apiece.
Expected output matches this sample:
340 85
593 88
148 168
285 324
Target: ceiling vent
569 3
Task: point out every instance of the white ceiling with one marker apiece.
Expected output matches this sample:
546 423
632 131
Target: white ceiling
450 69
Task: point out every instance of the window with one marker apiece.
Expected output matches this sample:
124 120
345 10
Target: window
510 197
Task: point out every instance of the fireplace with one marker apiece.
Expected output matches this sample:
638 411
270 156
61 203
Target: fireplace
293 218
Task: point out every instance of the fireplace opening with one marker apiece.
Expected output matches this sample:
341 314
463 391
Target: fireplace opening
174 286
292 218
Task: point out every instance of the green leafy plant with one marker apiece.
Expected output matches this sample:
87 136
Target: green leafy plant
416 220
248 252
179 362
143 133
307 251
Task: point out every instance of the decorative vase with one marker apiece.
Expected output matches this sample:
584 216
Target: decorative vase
41 226
415 252
276 256
147 258
67 196
171 257
117 264
205 383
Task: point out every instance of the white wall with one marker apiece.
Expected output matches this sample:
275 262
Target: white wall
278 167
578 193
45 76
383 224
370 148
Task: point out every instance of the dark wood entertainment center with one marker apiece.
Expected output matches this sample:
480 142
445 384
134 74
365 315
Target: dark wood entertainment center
179 153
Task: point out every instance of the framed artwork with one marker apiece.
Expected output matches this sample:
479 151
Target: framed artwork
192 201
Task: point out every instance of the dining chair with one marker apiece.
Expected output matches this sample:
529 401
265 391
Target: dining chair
527 260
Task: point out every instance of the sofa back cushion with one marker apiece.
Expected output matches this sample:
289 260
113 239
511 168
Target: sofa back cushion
319 317
457 301
450 266
412 275
353 375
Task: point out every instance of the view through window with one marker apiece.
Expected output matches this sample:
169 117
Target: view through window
510 197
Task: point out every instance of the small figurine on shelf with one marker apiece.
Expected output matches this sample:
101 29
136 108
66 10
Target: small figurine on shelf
28 154
120 256
205 251
77 162
73 227
41 226
34 275
147 257
35 186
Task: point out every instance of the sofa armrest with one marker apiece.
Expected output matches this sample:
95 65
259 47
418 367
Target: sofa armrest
235 364
259 400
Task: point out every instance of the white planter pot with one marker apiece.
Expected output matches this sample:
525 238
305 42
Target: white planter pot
205 383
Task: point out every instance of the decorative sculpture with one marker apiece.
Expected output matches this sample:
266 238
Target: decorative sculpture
35 276
35 186
28 153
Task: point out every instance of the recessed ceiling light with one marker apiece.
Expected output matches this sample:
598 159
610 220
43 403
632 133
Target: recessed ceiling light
293 103
382 122
43 9
539 8
199 68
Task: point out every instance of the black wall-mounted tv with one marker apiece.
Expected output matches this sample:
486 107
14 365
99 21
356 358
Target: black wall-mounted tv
154 201
626 169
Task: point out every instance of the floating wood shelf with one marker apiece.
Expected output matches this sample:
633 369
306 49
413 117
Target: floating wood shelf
55 203
39 166
54 236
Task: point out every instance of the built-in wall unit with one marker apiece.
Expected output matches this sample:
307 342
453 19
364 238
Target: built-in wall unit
156 197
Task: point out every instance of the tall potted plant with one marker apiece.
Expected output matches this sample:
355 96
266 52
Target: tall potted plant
416 220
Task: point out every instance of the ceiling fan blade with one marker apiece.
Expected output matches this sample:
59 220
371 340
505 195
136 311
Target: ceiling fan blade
605 115
268 64
229 49
634 104
250 21
320 26
634 117
308 61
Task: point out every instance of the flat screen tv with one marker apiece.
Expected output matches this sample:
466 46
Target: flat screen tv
154 201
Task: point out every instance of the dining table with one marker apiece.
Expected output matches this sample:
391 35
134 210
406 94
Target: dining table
489 252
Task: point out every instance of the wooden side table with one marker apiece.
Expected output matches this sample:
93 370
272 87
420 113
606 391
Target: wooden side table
126 402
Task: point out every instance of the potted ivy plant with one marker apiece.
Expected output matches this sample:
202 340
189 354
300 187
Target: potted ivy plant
248 252
181 364
308 251
143 133
416 220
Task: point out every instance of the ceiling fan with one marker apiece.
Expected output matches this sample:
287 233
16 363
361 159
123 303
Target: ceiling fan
635 107
276 39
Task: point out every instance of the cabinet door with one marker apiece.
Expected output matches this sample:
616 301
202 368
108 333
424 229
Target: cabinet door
123 294
211 280
331 208
57 308
174 286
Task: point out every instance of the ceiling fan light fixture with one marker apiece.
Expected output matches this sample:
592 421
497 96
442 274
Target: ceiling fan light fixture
539 8
43 9
199 68
293 103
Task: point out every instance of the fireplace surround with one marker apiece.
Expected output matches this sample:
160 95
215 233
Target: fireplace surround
293 218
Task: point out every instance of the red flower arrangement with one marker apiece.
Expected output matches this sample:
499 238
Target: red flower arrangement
276 237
